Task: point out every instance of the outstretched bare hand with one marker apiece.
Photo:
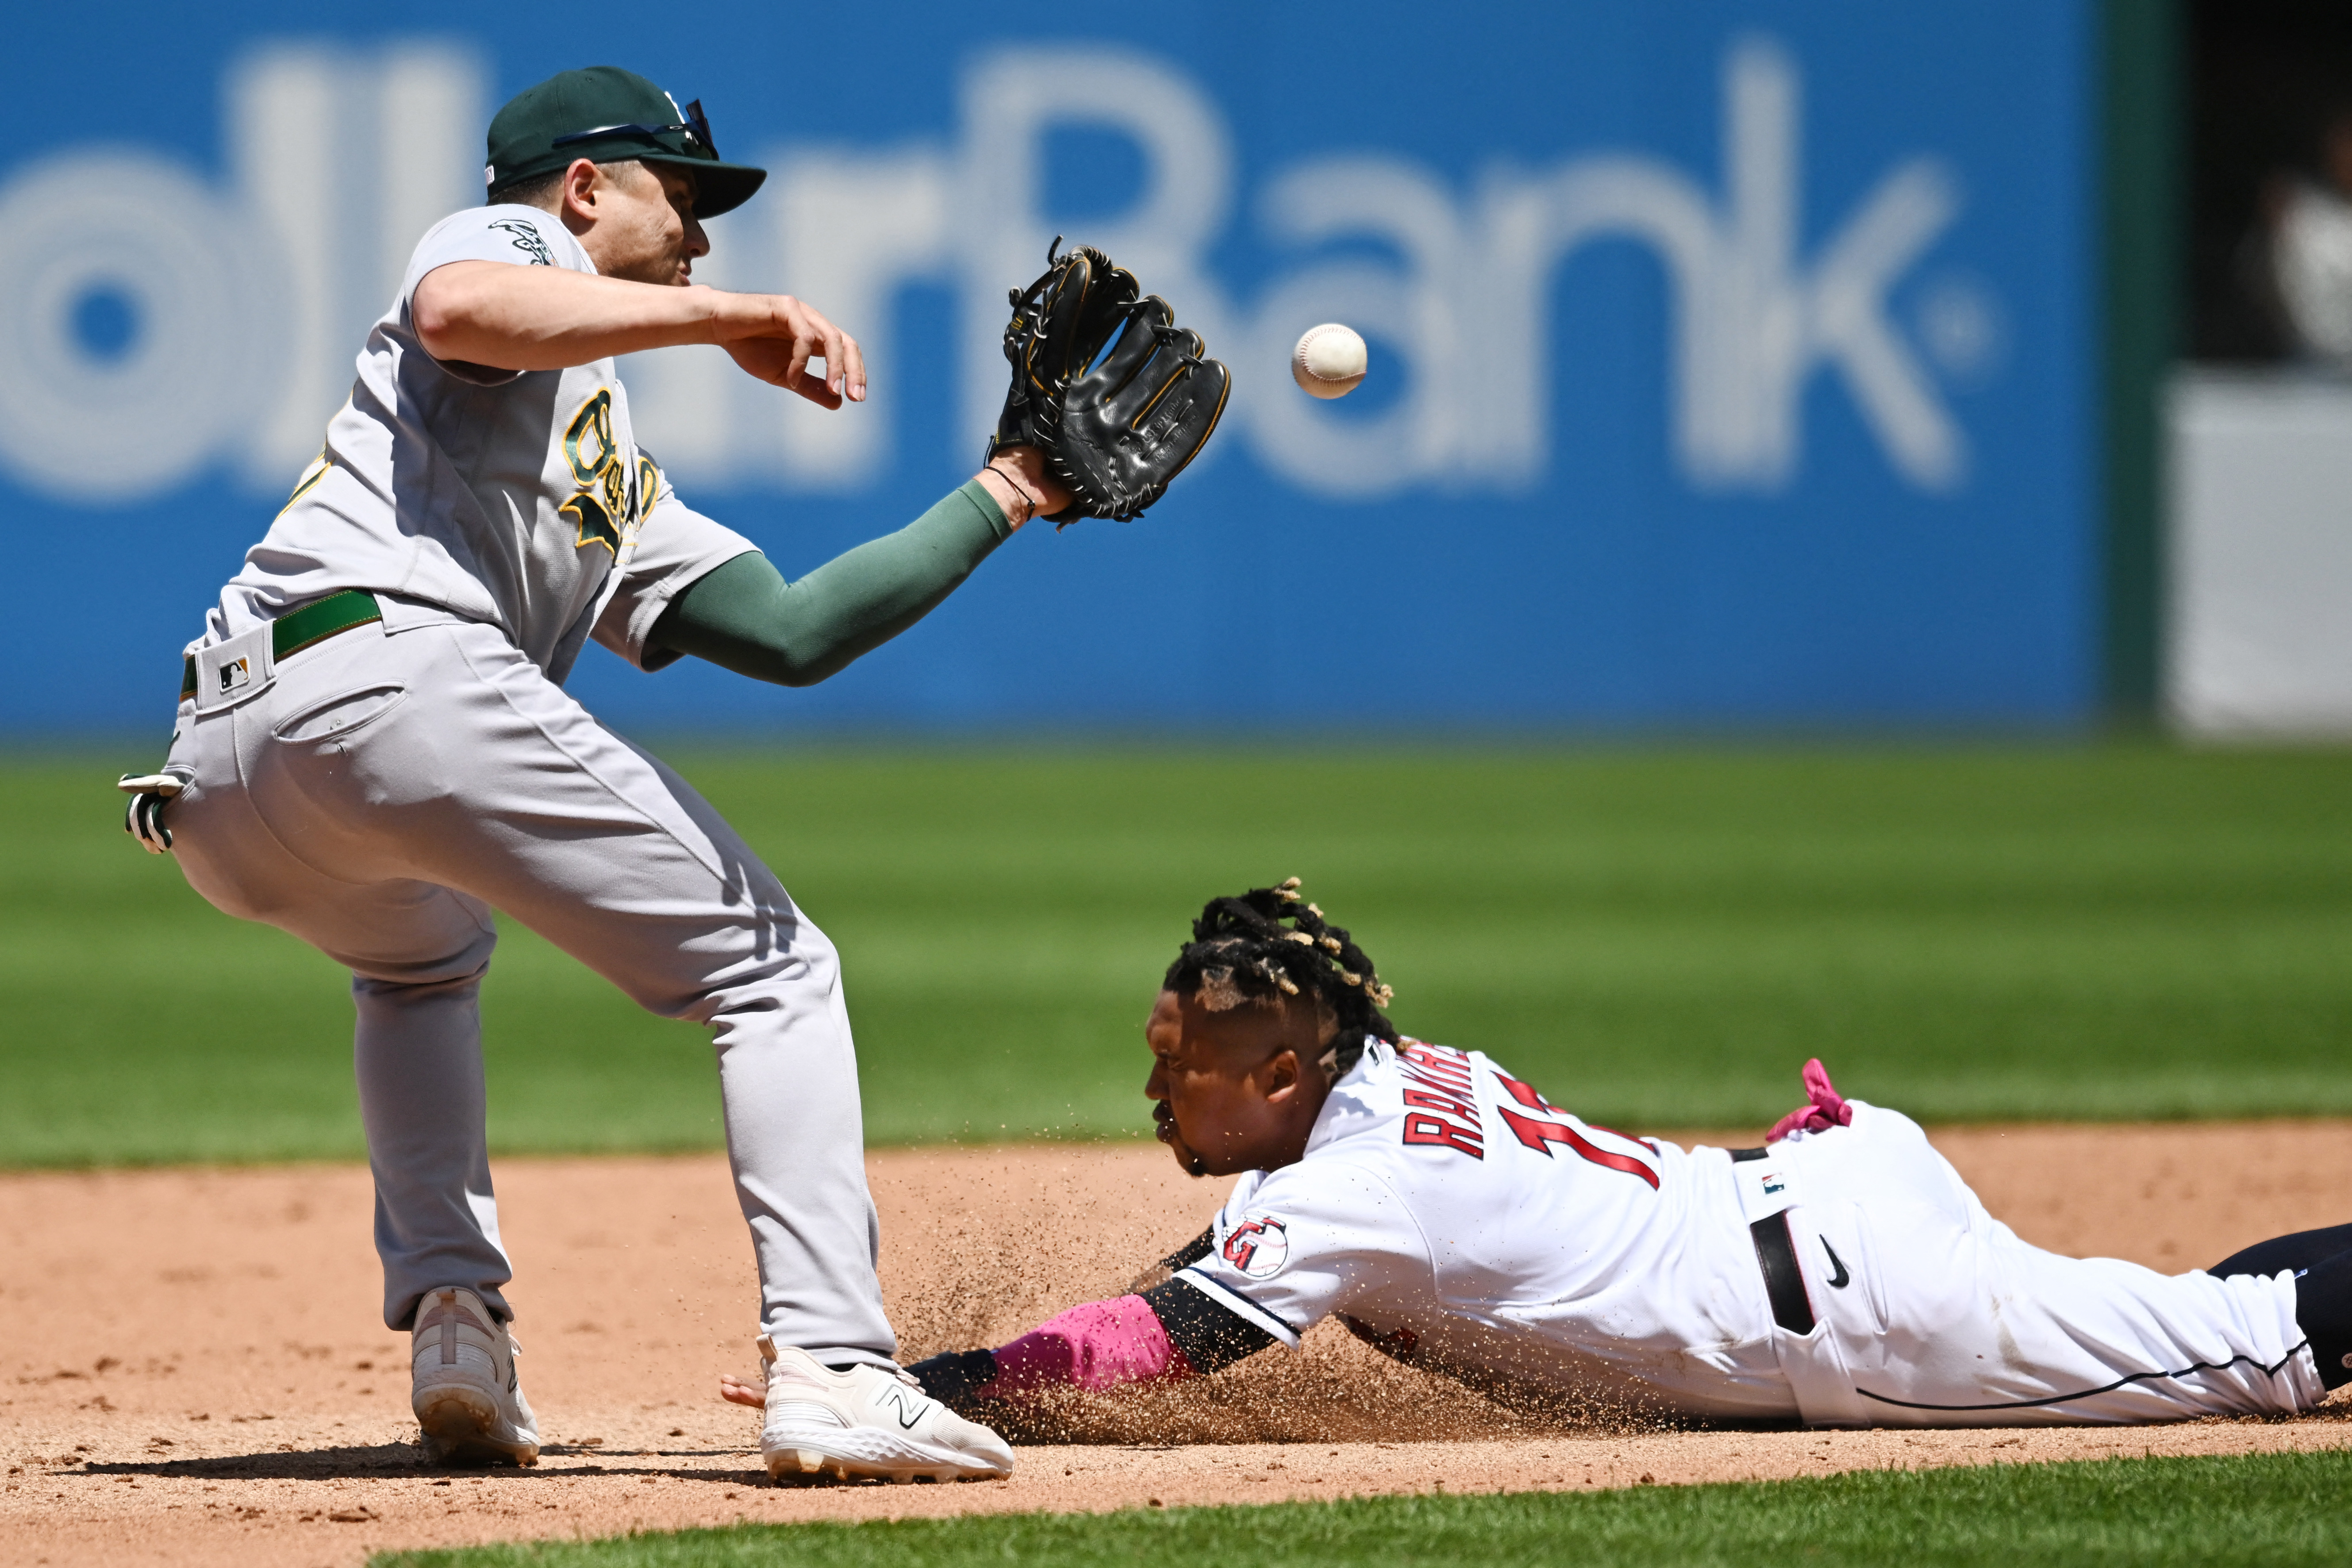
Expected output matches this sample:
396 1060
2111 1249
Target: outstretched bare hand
774 337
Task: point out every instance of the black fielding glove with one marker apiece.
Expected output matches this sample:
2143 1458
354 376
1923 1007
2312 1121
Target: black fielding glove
953 1377
1131 423
1118 432
1059 324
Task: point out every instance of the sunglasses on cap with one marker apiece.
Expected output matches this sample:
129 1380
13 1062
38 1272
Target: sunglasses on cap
696 126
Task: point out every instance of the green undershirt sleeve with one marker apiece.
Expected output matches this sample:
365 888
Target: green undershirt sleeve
745 617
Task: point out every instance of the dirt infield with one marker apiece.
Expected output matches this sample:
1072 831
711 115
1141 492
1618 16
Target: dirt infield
190 1373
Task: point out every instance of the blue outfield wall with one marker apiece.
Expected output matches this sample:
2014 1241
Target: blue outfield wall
1732 363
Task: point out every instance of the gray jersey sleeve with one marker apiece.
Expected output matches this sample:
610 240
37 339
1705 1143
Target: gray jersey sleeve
674 546
518 235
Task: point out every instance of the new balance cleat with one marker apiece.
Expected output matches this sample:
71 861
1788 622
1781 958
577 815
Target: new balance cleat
869 1423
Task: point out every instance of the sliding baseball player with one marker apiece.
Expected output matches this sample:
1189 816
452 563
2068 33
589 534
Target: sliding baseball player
1839 1275
373 748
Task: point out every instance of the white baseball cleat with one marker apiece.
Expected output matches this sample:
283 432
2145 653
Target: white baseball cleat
462 1385
869 1423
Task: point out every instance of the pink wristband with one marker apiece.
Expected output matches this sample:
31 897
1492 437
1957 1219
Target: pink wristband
1100 1345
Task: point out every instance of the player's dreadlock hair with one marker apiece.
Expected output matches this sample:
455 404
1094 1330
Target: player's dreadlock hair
1269 945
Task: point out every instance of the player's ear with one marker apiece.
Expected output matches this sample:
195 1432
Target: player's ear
1282 1077
576 198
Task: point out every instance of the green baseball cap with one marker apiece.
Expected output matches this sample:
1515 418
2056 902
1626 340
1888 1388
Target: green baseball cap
608 114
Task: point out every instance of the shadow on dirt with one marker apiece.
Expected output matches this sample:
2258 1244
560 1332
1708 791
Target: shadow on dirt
406 1461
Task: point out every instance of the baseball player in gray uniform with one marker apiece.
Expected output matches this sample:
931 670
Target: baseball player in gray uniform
373 749
1839 1274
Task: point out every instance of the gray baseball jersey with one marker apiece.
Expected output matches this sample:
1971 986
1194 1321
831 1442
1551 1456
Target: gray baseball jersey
516 498
379 793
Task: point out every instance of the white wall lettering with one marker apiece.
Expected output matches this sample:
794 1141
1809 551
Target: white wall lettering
250 296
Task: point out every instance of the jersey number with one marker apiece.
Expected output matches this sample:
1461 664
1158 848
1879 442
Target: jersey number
1541 1135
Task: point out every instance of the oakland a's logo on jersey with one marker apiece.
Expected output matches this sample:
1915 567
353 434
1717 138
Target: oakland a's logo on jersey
1258 1245
612 500
527 239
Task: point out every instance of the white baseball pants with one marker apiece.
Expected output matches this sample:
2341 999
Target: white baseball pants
1929 1312
381 793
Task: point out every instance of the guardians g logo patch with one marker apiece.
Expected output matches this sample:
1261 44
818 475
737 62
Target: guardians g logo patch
1258 1245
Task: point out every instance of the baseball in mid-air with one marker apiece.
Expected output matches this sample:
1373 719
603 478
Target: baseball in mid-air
1329 361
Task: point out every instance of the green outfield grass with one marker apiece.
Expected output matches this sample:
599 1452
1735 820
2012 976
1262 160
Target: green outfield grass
1656 938
2271 1510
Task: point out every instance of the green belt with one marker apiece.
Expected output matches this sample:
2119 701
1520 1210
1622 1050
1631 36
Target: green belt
313 623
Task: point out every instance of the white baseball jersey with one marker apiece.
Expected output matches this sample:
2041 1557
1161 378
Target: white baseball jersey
1450 1215
1448 1210
517 498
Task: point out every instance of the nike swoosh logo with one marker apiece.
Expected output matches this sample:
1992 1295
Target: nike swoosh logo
1840 1279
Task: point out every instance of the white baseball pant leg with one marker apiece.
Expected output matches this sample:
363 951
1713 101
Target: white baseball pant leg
381 793
1930 1312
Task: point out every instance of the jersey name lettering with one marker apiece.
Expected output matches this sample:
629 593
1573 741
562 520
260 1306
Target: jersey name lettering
1437 1130
1446 1107
1422 1100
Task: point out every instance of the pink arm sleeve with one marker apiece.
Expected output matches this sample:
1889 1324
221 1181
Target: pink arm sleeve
1100 1345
